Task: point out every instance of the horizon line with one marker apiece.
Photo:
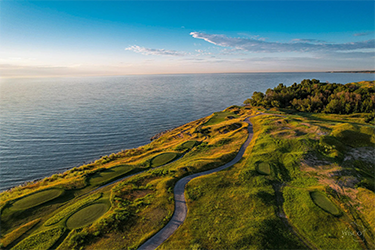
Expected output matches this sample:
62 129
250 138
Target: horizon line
140 74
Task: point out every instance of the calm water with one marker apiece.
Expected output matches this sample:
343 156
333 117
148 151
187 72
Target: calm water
51 124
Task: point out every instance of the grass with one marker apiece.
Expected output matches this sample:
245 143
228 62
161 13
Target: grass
187 145
106 175
263 168
86 215
353 135
71 209
324 203
219 117
43 240
289 157
37 198
14 235
163 158
238 208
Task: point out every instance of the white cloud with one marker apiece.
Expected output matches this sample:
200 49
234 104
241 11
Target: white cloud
148 51
253 45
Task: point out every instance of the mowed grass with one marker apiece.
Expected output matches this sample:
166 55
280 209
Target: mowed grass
87 215
220 117
163 158
263 168
187 145
109 174
63 214
324 203
37 198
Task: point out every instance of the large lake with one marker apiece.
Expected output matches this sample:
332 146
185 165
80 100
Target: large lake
50 124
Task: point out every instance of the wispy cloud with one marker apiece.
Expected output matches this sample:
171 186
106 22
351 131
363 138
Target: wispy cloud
308 40
148 51
364 33
253 45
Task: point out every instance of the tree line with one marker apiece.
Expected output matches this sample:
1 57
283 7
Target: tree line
315 96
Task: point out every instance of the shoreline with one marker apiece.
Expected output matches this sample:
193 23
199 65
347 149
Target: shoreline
64 169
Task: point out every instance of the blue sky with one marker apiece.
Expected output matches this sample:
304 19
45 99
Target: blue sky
49 38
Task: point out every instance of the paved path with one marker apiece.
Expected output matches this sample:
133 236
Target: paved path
180 211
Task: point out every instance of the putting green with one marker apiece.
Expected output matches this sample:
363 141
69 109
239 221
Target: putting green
263 168
220 117
37 198
187 145
86 215
163 158
109 174
324 203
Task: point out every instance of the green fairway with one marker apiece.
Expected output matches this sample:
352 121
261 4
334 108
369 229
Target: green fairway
187 145
109 174
324 203
263 168
220 117
37 198
86 215
163 158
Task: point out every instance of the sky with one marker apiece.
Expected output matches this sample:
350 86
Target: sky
93 38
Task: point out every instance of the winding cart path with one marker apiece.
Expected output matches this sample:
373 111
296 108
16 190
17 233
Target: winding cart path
180 211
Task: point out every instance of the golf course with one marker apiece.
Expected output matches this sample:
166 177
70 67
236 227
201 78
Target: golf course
257 176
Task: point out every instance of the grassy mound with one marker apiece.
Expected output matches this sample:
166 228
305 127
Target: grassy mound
86 215
37 198
220 117
109 174
324 203
354 136
163 158
187 145
263 168
42 240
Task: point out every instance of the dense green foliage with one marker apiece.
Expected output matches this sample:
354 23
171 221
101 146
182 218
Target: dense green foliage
315 96
43 240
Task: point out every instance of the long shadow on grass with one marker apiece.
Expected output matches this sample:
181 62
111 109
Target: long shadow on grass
61 239
21 237
281 214
270 234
